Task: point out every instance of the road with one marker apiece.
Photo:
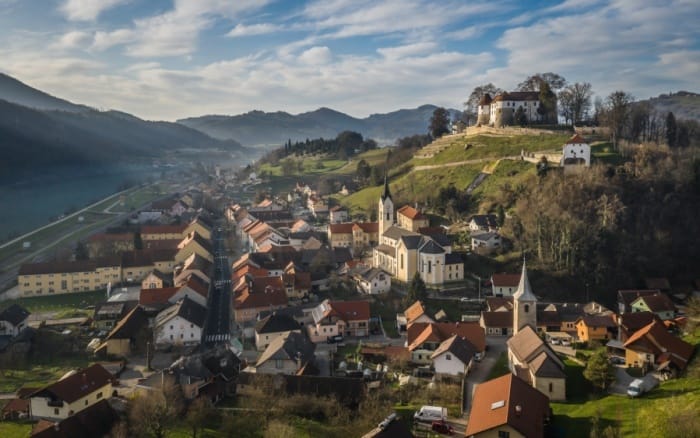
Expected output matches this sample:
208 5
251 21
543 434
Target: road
217 327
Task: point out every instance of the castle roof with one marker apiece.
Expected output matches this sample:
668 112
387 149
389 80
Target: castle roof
485 99
518 96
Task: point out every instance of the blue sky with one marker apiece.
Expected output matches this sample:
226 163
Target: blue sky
165 59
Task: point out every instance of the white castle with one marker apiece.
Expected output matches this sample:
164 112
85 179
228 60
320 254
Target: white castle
500 111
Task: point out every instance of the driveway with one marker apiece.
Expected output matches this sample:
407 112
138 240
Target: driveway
480 372
623 380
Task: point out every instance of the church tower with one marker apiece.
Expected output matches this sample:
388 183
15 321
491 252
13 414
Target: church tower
524 304
386 209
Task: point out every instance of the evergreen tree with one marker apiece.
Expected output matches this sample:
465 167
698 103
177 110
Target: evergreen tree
439 123
599 371
671 130
417 290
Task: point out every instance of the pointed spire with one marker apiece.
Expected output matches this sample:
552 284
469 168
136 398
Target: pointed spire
524 291
386 193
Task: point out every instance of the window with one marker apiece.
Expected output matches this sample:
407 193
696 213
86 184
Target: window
55 411
171 327
503 434
527 308
430 266
171 337
278 364
86 402
182 336
551 387
448 357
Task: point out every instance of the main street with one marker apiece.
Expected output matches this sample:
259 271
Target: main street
217 327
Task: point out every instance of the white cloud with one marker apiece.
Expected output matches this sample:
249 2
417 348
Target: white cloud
75 39
399 52
316 55
87 10
254 29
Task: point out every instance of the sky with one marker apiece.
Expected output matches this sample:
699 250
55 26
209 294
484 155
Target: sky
170 59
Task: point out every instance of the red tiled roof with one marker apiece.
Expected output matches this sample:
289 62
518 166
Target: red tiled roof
420 332
78 385
656 337
272 297
351 310
505 280
411 212
163 229
157 296
508 400
341 228
576 139
414 311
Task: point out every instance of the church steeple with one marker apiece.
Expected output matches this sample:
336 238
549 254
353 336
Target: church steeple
524 304
386 193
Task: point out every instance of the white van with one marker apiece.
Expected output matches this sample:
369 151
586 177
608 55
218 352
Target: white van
430 414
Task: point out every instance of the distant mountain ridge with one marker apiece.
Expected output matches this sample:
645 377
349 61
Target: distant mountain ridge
257 128
39 131
683 104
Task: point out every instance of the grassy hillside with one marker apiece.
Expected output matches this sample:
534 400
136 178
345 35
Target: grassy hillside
472 147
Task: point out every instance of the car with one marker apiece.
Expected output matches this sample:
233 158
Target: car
555 341
464 299
335 339
565 343
443 427
617 360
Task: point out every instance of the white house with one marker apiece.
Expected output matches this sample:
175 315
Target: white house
577 152
454 357
504 285
486 242
373 281
180 324
271 327
483 222
338 215
74 392
13 320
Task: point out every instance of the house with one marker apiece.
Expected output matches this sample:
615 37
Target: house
129 334
414 313
338 215
653 347
486 242
272 326
18 407
193 243
105 244
209 373
194 265
483 222
180 324
504 285
76 391
156 299
286 354
659 304
258 296
355 235
13 320
108 313
503 109
199 225
625 298
59 277
162 232
344 318
156 280
411 219
508 407
576 152
595 328
629 323
138 264
497 323
95 420
453 357
373 281
423 339
534 361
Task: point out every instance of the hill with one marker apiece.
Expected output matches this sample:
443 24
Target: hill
17 92
258 128
683 104
39 132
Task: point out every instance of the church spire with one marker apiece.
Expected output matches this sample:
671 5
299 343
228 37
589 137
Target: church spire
524 291
386 193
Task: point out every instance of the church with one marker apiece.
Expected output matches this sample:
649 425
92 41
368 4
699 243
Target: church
407 244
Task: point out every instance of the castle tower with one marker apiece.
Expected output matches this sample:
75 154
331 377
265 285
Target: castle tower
524 304
385 213
484 110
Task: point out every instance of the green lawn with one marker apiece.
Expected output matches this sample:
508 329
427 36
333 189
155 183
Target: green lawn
58 302
309 166
485 146
500 368
38 375
373 157
12 429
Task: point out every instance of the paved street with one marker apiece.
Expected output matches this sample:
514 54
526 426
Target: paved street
479 374
217 328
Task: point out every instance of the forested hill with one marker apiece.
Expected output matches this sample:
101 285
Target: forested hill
55 132
683 104
258 128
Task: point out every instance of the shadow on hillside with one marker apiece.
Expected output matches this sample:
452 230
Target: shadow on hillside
563 426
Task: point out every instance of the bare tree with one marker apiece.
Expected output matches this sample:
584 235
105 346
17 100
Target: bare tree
152 414
618 105
575 101
534 83
199 413
472 104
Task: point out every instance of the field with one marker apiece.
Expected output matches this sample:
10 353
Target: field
57 303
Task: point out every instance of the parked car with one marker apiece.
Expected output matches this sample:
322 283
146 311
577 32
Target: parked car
555 341
617 360
566 343
430 414
335 339
442 427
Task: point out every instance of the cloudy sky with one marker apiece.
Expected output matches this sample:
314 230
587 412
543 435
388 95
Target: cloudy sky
167 59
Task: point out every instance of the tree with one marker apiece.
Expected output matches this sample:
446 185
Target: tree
417 290
81 251
534 83
288 167
671 130
599 371
575 101
138 241
520 117
617 113
363 170
501 215
199 413
152 414
548 103
439 123
472 104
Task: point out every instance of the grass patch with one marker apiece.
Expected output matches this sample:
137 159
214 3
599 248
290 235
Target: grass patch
373 157
386 310
15 429
59 302
39 375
